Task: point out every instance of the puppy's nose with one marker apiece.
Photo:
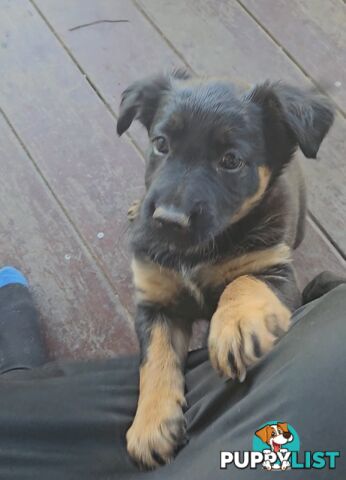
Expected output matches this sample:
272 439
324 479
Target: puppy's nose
171 216
287 434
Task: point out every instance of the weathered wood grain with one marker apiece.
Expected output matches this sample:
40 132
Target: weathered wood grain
226 40
107 66
112 55
313 32
82 317
72 137
313 257
232 34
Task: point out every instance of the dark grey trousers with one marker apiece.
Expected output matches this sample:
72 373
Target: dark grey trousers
67 421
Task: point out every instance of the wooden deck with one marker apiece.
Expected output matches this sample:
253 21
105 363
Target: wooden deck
66 180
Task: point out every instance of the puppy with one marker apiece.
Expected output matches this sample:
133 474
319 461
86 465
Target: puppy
224 206
276 436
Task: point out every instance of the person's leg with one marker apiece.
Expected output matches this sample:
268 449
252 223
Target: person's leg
301 382
320 285
69 420
21 344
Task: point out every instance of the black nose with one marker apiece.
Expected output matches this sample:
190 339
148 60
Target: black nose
287 434
171 216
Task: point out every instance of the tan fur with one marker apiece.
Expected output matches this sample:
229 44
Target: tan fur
249 203
283 426
161 398
249 263
133 211
160 285
247 306
264 433
154 283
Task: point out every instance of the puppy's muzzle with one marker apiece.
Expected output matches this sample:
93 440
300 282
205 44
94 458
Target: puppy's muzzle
170 216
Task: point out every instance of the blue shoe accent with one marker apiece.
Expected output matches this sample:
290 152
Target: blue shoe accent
9 275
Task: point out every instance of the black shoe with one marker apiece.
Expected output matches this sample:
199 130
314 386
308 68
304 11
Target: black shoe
21 344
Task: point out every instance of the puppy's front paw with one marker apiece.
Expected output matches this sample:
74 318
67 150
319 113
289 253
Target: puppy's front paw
133 211
245 326
155 435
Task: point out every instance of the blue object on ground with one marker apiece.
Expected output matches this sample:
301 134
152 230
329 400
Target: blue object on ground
9 275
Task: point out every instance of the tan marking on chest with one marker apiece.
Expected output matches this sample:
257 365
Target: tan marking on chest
250 263
154 283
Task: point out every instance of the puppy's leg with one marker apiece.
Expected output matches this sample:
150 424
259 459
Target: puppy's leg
252 313
159 425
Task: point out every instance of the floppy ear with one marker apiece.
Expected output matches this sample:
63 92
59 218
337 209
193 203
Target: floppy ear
142 99
263 433
283 426
308 116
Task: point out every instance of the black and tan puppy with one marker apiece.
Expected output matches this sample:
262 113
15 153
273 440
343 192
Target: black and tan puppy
224 206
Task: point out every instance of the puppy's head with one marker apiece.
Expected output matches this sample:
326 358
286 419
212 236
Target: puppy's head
215 150
275 435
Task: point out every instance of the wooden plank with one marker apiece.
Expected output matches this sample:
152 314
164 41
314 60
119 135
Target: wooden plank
103 64
72 137
313 32
82 317
229 42
229 45
313 257
112 54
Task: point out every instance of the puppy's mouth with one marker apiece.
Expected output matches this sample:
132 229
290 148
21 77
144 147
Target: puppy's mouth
175 237
168 247
182 242
276 447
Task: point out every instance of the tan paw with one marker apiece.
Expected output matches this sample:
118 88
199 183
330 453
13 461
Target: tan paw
133 211
245 326
154 436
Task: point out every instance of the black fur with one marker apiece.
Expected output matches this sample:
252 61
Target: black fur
201 122
306 116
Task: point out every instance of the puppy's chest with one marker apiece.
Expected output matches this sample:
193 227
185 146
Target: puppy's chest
203 283
206 282
194 291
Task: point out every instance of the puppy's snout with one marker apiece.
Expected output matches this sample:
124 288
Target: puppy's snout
287 434
170 216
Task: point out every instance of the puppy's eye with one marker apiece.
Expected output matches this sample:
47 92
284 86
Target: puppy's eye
230 161
273 434
160 145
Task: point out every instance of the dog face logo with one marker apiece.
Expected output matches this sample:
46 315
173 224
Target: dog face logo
275 447
275 435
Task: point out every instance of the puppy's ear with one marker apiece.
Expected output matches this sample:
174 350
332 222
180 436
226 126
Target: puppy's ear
142 99
308 116
264 433
283 426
